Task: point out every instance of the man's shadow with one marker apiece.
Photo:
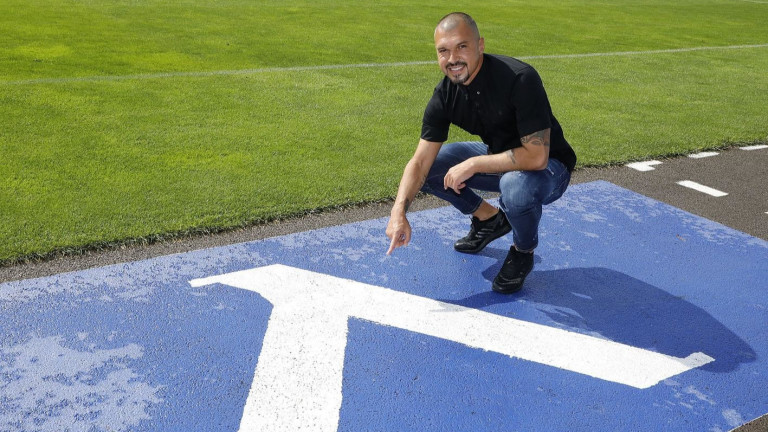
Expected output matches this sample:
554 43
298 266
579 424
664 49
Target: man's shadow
622 309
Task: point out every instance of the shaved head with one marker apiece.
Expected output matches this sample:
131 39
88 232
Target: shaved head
454 20
459 47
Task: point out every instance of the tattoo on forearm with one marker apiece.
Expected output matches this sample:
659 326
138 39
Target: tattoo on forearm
406 202
537 138
407 205
511 156
423 180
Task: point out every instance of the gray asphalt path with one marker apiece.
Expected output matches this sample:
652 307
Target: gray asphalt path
739 173
742 174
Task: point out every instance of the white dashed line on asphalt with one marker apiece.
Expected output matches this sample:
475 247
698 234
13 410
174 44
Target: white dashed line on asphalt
703 155
755 147
701 188
742 192
644 166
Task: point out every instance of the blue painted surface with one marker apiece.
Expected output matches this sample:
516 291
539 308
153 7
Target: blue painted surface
134 347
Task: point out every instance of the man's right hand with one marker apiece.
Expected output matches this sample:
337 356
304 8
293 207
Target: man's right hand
414 176
399 231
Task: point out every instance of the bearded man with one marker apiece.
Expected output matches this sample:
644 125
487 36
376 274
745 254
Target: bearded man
523 154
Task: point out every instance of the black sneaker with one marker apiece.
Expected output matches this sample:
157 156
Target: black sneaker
482 233
516 267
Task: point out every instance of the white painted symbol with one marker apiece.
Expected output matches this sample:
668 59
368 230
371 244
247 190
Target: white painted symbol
701 188
703 155
298 380
644 166
755 147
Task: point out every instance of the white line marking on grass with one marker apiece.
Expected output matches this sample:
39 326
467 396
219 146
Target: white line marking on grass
702 155
212 73
628 53
644 166
347 66
755 147
701 188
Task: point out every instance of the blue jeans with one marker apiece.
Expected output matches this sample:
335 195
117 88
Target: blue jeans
523 193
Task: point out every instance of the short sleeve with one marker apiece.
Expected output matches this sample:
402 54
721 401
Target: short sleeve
436 121
531 104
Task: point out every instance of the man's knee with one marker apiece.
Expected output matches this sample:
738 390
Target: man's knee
517 192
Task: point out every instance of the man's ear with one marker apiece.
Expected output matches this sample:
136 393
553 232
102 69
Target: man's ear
481 45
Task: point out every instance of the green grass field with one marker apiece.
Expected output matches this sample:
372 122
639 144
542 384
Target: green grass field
131 121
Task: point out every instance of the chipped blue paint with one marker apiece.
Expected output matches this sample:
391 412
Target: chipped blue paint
134 347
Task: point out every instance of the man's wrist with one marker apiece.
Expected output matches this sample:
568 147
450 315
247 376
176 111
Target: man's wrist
475 164
401 207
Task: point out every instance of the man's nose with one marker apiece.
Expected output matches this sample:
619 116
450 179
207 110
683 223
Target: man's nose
453 57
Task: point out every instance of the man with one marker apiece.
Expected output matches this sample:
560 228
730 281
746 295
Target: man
524 154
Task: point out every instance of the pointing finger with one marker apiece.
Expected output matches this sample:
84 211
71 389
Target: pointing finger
393 245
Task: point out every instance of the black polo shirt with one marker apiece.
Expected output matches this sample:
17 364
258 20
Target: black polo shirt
504 102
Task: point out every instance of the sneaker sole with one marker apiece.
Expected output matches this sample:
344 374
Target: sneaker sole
484 243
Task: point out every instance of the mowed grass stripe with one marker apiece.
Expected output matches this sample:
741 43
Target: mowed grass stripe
97 165
354 66
212 73
43 39
86 165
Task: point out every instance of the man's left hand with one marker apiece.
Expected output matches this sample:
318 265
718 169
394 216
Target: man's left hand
457 176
